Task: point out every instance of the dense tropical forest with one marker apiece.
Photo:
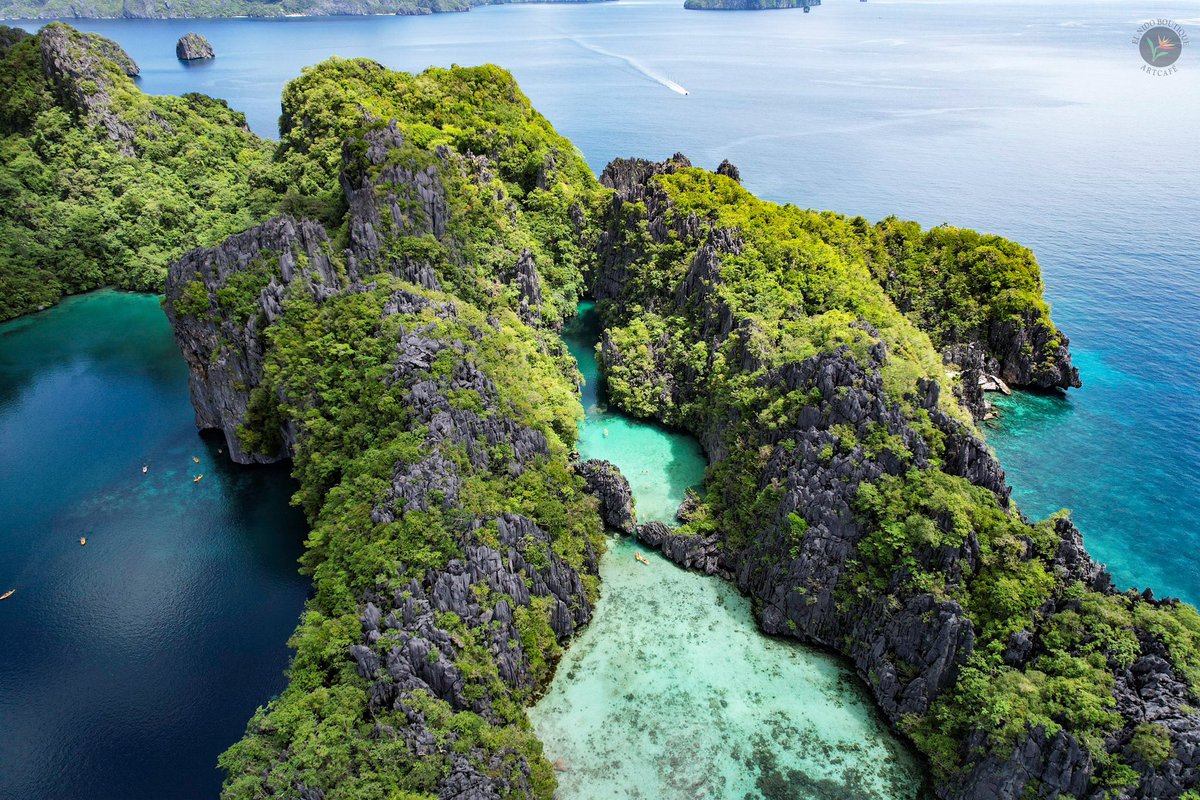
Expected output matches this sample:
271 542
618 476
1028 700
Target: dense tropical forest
856 504
412 362
376 298
103 185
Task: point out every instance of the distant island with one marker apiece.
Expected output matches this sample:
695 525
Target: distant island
187 9
748 5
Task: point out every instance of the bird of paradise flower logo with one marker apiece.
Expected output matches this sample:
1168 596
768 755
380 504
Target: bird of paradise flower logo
1160 46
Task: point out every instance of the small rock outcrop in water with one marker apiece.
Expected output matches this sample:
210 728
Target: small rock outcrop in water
701 553
606 483
193 47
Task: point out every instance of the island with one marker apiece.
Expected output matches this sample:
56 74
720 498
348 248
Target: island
189 9
193 47
749 5
377 298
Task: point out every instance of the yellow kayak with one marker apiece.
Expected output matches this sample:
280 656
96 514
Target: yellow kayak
83 540
197 478
7 594
642 559
195 459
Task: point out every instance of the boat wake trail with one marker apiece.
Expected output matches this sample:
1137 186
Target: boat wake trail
657 77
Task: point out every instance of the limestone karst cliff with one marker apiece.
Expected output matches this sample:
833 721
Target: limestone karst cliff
852 499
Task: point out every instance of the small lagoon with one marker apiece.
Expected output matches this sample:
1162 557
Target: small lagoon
671 692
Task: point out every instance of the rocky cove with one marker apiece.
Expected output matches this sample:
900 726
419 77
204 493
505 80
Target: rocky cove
671 692
394 332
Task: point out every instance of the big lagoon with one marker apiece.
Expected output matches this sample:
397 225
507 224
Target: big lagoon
128 664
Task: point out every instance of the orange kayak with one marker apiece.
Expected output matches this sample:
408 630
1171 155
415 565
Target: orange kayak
7 594
83 540
197 479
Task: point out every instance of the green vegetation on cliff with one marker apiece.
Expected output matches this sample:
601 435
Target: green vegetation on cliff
793 291
522 198
452 548
102 184
767 330
331 363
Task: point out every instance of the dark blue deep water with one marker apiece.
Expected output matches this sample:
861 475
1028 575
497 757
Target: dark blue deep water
1027 119
129 663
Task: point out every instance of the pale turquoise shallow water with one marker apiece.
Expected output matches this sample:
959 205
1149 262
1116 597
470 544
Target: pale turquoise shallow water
671 693
659 464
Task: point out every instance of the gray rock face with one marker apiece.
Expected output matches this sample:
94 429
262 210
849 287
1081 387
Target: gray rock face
1022 351
391 200
608 485
701 553
907 647
524 277
224 351
508 564
193 47
507 572
1031 354
404 647
113 52
74 66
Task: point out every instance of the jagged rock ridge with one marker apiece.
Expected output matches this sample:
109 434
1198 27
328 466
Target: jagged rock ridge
800 559
474 633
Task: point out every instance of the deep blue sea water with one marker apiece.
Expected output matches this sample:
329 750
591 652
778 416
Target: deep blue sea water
127 664
1027 119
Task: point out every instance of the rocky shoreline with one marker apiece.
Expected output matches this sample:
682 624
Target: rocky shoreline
911 647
